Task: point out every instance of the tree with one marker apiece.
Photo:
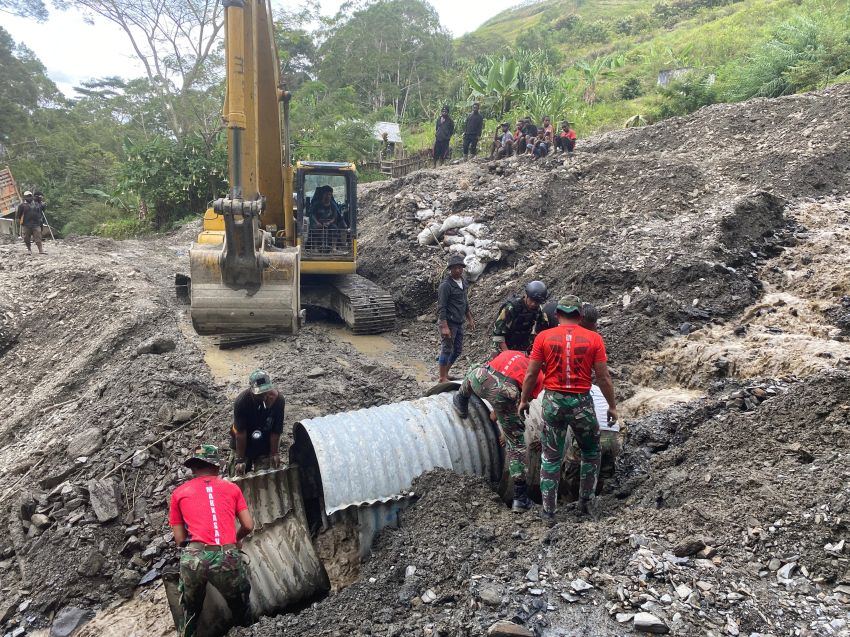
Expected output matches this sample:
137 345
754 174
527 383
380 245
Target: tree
178 45
497 83
296 45
390 51
25 8
24 89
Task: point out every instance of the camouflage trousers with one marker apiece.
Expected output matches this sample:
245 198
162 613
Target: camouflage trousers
610 445
503 394
224 569
559 412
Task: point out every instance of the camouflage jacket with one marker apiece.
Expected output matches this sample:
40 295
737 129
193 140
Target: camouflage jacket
515 324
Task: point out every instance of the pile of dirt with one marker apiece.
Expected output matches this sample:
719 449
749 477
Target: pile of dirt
659 226
721 522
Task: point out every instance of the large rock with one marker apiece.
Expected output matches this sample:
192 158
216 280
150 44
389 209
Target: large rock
104 498
649 623
68 620
508 629
92 564
85 443
156 345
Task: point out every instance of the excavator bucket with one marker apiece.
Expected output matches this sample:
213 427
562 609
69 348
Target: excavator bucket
270 306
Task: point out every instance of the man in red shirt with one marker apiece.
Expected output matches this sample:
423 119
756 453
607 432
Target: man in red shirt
203 511
569 355
499 382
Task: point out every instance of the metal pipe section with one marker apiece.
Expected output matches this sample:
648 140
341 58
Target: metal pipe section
373 455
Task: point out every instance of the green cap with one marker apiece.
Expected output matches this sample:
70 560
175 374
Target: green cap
569 304
207 454
260 381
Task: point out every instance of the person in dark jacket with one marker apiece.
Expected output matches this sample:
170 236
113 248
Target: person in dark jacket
472 132
452 309
29 216
445 129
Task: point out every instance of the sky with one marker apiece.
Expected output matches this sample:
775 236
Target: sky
73 51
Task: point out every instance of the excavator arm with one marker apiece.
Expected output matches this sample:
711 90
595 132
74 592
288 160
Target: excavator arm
245 265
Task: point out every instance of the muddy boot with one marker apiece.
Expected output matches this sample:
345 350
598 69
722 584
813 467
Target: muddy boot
548 517
521 501
587 506
461 405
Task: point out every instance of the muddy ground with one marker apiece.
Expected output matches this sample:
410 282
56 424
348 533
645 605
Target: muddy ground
719 259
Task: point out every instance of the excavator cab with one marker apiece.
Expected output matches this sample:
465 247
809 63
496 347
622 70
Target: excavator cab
326 210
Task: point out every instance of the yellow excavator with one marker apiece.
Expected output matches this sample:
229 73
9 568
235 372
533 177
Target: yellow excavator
282 238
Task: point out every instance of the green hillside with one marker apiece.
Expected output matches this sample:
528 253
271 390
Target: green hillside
731 49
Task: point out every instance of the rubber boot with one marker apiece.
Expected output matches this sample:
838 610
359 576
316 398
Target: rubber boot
587 506
548 517
521 501
461 405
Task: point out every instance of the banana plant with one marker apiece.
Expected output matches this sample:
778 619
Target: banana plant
496 83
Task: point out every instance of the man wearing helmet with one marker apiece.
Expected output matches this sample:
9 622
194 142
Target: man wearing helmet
518 317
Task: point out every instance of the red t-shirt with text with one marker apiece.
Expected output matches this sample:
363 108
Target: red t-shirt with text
568 353
514 365
207 506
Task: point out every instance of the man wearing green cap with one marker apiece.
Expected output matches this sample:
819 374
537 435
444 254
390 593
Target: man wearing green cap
257 425
569 356
203 517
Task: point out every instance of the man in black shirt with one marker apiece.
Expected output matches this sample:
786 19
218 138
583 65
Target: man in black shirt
472 132
257 425
452 309
445 128
29 216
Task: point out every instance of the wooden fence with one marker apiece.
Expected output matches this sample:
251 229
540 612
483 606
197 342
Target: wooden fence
398 167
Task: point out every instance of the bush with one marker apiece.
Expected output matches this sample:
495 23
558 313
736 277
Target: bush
804 53
126 228
691 92
630 89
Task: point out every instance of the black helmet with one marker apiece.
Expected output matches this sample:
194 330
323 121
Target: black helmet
536 291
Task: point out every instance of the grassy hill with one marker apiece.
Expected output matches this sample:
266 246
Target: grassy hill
735 49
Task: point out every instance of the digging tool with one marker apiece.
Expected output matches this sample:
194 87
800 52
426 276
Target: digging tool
47 223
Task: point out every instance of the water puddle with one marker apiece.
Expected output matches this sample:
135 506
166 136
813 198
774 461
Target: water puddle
382 350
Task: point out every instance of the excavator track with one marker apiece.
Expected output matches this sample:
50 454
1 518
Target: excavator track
364 306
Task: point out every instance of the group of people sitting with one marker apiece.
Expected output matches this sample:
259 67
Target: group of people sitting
533 140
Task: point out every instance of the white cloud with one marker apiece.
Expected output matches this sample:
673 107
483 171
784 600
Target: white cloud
73 50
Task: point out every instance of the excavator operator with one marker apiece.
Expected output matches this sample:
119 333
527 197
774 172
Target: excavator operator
326 220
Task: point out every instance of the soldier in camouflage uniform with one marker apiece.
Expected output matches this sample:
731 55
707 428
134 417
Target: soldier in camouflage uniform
518 317
498 382
206 507
611 437
568 354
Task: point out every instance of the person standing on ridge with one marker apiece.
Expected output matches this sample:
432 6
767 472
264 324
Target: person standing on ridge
568 355
203 516
445 128
452 309
29 216
518 317
472 132
499 382
257 425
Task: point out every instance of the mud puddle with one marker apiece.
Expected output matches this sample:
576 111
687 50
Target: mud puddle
384 351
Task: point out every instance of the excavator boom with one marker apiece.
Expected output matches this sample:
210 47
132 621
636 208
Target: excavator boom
243 280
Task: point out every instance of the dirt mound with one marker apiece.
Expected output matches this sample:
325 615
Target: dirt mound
699 531
659 226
